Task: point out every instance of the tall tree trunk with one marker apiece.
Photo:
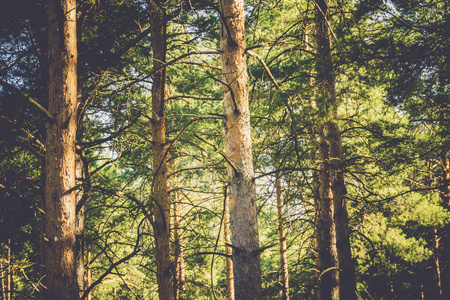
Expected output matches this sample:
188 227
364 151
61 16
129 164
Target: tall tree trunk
282 239
59 224
347 279
315 185
333 210
160 189
238 148
326 237
228 250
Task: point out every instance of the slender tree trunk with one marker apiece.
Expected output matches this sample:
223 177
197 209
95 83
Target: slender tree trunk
79 228
9 274
445 186
315 174
445 242
332 187
180 273
2 274
42 231
11 280
238 148
282 239
228 250
88 272
59 224
318 240
445 181
436 289
160 189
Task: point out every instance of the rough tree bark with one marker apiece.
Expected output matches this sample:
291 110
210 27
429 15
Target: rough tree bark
160 188
326 237
59 200
282 239
238 148
333 218
326 243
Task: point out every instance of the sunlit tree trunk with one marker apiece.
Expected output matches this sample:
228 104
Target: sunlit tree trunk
282 240
238 148
60 216
2 278
9 291
160 189
334 251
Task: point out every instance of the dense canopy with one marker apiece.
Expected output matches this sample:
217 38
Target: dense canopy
278 149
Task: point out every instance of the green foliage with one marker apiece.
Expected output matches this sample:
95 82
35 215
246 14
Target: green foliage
392 76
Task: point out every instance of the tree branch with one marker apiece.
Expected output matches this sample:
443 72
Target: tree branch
87 175
212 253
114 265
253 54
26 132
33 102
231 163
178 136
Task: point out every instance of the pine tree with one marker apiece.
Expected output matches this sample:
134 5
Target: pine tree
60 201
238 148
